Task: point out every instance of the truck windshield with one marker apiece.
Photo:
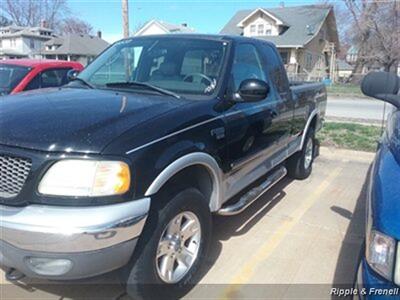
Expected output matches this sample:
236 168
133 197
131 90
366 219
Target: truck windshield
179 65
10 76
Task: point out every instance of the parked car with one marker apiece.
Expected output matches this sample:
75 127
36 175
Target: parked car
125 165
17 75
379 270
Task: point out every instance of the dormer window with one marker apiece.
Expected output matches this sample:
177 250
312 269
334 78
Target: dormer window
260 29
261 22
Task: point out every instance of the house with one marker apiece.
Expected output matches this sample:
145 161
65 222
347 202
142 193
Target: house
306 36
352 55
161 27
344 70
22 42
82 48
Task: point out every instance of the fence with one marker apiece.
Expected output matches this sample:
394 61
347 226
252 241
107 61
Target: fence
354 78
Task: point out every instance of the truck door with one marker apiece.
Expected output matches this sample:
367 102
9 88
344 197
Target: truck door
253 134
283 101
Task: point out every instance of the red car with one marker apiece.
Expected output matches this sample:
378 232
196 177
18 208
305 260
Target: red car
17 75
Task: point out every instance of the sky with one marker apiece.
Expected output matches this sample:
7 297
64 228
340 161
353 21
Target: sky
204 16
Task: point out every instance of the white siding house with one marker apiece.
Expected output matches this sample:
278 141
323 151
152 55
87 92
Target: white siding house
22 42
161 27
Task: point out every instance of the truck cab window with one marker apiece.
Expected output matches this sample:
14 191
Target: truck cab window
275 69
183 66
246 65
120 66
55 77
34 83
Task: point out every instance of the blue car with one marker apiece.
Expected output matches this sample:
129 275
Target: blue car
379 271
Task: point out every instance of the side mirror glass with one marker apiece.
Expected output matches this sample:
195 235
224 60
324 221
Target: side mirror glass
383 86
252 90
72 74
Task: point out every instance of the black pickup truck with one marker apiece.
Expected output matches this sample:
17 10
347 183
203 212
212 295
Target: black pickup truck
125 165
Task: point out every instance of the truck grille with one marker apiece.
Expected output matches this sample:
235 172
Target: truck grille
13 173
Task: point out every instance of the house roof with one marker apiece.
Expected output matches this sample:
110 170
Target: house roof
12 52
343 65
264 11
169 27
17 31
299 20
76 44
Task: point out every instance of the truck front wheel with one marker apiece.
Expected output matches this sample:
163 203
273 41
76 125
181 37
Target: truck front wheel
173 244
300 164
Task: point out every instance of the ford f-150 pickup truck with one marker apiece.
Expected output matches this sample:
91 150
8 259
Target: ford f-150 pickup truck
124 166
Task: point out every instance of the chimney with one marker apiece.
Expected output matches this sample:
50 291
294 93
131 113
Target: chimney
43 23
184 24
99 34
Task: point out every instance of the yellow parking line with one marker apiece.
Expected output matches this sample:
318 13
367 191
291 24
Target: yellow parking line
244 275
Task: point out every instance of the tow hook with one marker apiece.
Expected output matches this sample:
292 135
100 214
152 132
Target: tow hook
14 275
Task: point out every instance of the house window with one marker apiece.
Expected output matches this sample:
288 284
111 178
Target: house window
268 32
260 29
32 43
284 56
309 59
252 29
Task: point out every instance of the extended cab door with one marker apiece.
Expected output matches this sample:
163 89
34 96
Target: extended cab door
283 98
255 130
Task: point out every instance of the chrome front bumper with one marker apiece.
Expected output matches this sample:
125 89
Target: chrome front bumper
73 233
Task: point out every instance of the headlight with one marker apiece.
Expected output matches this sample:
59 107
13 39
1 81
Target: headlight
86 178
380 253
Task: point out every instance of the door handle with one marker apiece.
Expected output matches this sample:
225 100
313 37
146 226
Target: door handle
218 133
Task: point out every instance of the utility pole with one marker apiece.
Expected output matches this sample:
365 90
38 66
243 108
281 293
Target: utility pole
125 18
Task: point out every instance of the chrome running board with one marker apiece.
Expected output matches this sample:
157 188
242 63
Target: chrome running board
253 194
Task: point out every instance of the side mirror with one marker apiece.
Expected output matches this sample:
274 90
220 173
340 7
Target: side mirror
383 86
72 74
252 90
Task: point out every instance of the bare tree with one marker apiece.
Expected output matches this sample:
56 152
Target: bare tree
32 12
75 25
4 21
375 31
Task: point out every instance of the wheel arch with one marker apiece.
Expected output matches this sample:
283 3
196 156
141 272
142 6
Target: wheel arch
311 123
199 161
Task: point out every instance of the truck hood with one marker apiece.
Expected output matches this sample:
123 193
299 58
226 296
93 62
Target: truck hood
75 120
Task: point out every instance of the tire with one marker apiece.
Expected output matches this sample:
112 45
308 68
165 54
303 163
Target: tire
147 278
299 165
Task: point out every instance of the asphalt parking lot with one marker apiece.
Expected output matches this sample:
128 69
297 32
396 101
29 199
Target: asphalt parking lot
298 240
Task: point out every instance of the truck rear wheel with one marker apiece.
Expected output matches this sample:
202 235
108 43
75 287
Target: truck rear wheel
173 244
300 164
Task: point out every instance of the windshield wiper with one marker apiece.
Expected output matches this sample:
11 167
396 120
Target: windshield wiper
143 85
84 82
